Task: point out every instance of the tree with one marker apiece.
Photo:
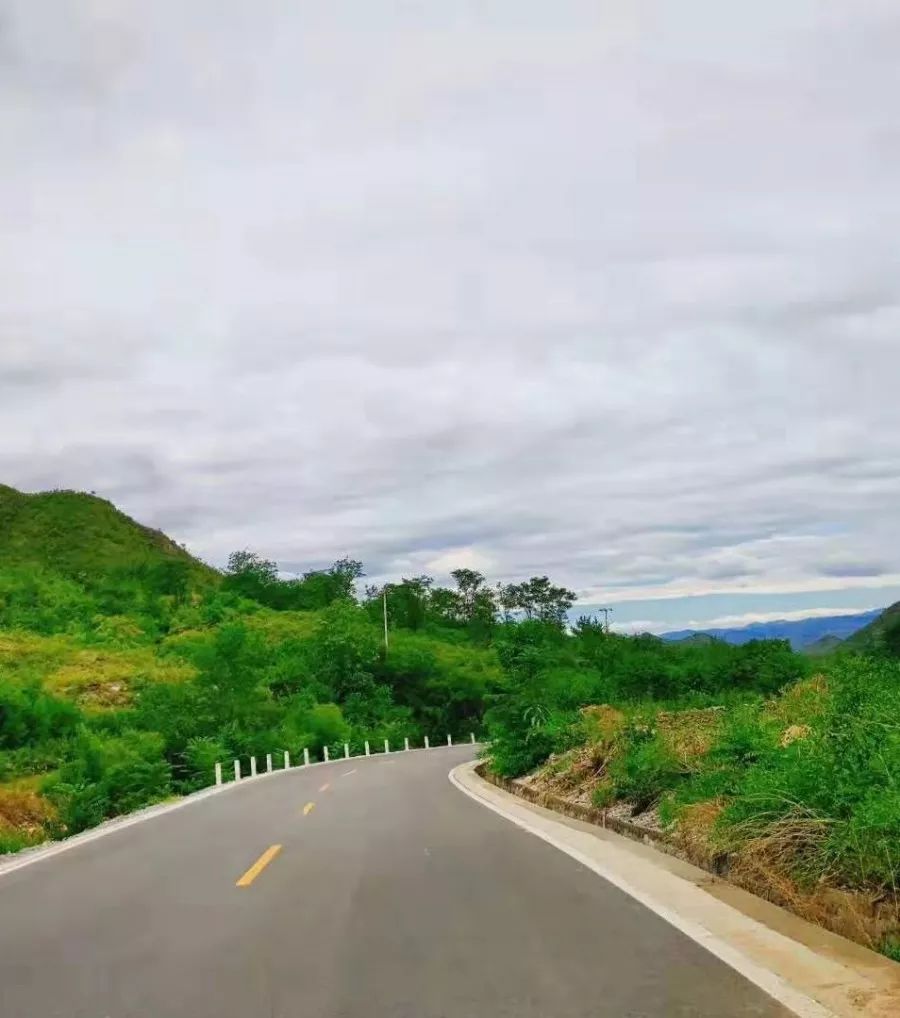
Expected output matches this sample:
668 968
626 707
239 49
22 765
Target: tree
408 602
476 606
538 599
468 582
444 606
248 563
505 600
250 575
254 577
344 646
344 574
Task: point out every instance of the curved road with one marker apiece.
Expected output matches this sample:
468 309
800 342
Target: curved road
393 895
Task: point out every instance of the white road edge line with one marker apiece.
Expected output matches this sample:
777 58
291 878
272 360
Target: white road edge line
29 856
769 982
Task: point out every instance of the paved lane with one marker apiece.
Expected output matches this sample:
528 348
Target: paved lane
380 891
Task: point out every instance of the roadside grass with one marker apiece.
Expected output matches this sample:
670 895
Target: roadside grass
26 816
799 791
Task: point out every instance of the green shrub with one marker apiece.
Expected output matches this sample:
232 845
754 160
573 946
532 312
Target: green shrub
326 725
891 948
29 716
107 777
643 768
28 760
200 759
843 776
603 795
745 737
15 841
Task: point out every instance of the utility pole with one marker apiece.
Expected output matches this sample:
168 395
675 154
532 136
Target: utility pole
384 604
606 612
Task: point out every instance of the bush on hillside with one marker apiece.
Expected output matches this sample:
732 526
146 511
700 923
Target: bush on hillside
201 755
109 776
845 775
29 716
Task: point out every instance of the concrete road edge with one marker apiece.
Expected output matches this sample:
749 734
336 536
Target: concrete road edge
808 984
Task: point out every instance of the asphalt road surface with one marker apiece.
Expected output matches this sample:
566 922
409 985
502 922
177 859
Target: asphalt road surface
392 894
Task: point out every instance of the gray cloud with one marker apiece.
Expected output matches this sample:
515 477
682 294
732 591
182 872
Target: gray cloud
851 567
608 293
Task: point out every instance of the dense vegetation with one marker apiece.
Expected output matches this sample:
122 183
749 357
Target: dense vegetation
880 638
128 668
789 766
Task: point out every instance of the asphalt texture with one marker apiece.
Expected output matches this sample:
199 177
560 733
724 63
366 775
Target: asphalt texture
393 896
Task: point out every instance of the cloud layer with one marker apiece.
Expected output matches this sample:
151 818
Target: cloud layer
612 296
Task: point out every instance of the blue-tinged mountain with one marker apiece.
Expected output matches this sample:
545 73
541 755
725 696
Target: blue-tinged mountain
801 633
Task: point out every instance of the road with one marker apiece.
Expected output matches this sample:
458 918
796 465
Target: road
393 895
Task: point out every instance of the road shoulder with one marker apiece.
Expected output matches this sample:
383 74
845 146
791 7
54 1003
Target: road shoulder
813 973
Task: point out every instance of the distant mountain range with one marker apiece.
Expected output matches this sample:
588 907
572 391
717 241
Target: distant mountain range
817 634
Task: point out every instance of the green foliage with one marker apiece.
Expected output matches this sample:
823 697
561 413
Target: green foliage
201 755
819 765
539 600
747 737
644 768
891 948
544 666
34 759
443 685
82 537
343 645
603 796
108 777
15 841
845 773
42 601
250 576
880 638
326 725
128 670
29 716
69 560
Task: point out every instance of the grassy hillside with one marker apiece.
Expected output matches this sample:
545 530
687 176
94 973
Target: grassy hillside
789 777
73 563
823 646
82 536
881 637
128 668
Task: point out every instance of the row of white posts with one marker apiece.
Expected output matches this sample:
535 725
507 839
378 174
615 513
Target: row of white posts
287 757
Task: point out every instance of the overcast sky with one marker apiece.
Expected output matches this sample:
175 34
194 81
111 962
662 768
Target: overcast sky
608 291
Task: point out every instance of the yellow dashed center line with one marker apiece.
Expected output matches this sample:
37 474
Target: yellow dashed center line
261 863
325 787
308 808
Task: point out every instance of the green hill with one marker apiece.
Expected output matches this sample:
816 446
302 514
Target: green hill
697 640
879 637
128 667
824 645
81 536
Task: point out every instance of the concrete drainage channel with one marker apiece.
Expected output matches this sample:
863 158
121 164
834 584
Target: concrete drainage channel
326 758
29 856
